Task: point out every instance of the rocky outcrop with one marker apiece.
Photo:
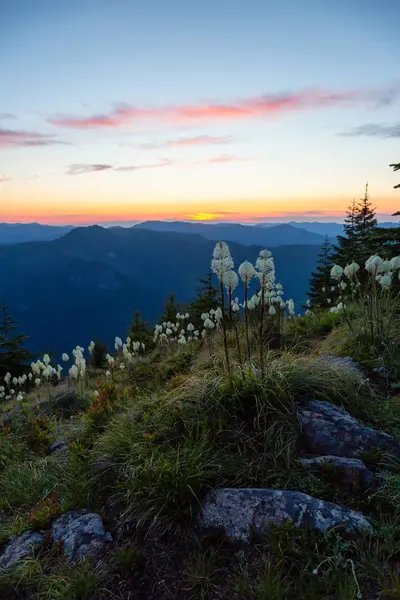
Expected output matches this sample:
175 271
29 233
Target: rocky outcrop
329 429
237 510
80 533
20 547
351 471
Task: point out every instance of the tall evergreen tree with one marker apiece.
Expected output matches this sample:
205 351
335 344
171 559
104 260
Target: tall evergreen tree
345 249
207 298
139 330
14 358
365 218
320 283
170 309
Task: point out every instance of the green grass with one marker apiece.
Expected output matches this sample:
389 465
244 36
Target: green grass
144 453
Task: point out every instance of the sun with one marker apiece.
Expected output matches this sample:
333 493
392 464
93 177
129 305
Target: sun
203 216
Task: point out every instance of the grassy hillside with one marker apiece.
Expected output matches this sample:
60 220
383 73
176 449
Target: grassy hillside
147 434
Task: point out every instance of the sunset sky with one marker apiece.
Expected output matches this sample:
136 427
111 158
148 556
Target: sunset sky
124 110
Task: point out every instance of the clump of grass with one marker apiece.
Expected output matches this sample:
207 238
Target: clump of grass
49 577
27 483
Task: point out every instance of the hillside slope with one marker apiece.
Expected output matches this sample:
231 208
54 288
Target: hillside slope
91 281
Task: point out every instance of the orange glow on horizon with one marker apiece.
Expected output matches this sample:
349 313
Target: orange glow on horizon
76 210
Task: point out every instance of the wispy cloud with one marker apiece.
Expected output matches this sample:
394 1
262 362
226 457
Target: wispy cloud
374 130
4 178
80 169
6 115
163 163
9 138
220 159
200 140
268 105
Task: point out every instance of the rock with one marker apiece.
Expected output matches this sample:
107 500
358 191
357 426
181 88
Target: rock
352 471
236 510
58 446
19 547
81 533
329 429
342 361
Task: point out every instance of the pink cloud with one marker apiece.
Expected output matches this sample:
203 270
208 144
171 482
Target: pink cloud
259 107
200 140
163 163
10 138
219 160
4 178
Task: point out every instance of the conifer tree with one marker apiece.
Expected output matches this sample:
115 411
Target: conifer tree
139 330
320 283
207 298
14 358
170 309
345 249
365 218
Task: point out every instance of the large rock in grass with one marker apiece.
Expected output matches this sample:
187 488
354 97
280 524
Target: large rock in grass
329 429
22 546
80 533
350 471
240 510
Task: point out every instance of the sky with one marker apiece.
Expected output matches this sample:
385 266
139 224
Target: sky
263 110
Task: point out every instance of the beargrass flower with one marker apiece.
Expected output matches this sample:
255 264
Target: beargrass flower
336 272
73 372
46 359
246 272
230 280
395 263
91 347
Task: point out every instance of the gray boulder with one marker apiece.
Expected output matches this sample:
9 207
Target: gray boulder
58 446
20 547
236 510
342 361
352 471
81 533
329 429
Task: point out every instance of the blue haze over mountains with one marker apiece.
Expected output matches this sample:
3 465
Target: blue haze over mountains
78 284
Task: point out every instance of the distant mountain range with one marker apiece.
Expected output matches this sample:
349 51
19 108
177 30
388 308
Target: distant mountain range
87 284
263 234
16 233
271 237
